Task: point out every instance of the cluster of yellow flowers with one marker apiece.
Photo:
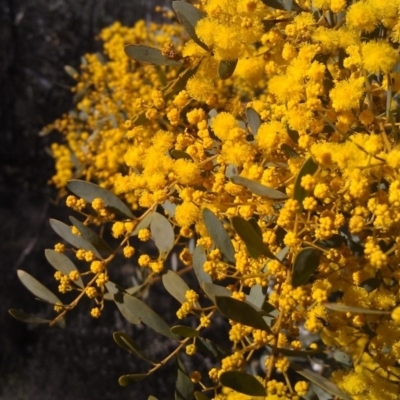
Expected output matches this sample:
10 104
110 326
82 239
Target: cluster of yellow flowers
297 142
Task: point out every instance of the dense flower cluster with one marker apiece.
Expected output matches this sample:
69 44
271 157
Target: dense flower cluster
322 81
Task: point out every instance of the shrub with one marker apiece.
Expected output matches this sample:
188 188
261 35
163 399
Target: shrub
263 133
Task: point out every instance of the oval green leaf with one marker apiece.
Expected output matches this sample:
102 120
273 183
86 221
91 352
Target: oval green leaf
127 343
126 380
211 349
184 331
354 310
189 15
253 119
175 285
71 71
162 233
242 383
89 191
226 68
259 189
103 249
62 263
148 316
294 135
199 258
218 234
305 264
29 319
299 193
169 208
285 5
184 387
149 55
298 353
65 232
143 224
117 295
323 383
212 290
254 243
343 358
257 297
176 154
35 287
241 311
289 151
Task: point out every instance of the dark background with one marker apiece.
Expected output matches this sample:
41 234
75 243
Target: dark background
37 38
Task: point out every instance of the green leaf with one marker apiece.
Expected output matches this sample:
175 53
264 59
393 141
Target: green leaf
254 243
175 285
189 15
149 55
127 343
290 152
199 258
226 68
354 310
257 297
184 387
335 240
143 224
211 349
242 383
231 170
281 255
65 232
126 380
35 287
184 331
286 5
255 226
218 234
162 233
305 264
253 119
169 208
299 193
176 154
241 311
103 249
200 396
117 296
323 383
71 71
258 188
343 358
89 191
212 290
152 398
29 319
298 353
274 4
62 263
294 135
290 6
148 316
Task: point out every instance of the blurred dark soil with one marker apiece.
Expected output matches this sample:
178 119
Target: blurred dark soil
37 38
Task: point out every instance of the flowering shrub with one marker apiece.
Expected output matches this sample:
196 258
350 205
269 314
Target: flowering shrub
266 133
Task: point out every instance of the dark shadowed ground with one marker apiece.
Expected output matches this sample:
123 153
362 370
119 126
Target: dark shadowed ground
37 38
